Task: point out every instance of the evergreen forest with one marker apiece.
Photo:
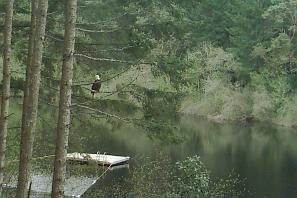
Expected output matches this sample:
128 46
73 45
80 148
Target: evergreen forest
228 61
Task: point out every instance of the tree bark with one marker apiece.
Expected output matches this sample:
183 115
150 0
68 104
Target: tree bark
6 84
30 114
65 101
34 6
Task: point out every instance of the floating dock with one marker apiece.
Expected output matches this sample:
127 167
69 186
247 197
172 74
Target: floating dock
100 159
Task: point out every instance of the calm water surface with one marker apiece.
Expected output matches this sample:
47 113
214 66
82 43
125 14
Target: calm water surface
265 155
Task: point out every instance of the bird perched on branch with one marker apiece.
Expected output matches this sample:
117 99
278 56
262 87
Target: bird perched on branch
96 85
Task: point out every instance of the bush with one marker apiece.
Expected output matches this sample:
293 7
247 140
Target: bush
288 114
215 93
193 180
263 105
219 98
238 106
187 178
232 186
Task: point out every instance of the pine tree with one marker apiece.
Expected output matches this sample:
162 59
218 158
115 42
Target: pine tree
65 101
33 83
6 84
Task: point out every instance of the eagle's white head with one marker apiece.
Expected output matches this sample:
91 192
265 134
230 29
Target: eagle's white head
97 77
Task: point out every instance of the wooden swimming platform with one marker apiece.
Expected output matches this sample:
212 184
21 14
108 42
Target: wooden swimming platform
100 159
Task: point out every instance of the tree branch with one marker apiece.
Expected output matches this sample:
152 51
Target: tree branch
49 35
111 49
101 112
103 59
96 31
109 20
113 60
108 79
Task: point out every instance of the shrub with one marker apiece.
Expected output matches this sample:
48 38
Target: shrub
237 106
187 178
263 104
215 93
219 98
232 186
288 114
193 180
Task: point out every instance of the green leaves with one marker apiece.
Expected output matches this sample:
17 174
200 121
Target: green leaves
194 179
163 178
282 14
279 56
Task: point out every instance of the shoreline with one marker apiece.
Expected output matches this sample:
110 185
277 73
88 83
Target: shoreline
219 119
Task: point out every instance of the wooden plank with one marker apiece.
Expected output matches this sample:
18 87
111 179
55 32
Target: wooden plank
108 160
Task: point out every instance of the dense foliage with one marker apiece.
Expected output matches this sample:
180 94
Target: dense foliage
234 60
187 178
227 60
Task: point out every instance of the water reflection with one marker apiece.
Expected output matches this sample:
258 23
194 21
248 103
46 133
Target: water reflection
264 154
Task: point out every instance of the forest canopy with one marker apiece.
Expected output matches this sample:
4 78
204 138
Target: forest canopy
234 59
143 62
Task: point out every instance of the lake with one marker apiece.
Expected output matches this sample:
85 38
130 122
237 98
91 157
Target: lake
264 154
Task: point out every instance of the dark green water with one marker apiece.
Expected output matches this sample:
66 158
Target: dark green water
264 154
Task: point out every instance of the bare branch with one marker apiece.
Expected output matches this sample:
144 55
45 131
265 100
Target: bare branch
42 100
97 31
101 112
93 115
15 127
123 87
110 49
49 35
109 20
54 38
114 60
51 13
108 79
103 59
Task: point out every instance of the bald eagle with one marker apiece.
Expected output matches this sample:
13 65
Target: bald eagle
96 85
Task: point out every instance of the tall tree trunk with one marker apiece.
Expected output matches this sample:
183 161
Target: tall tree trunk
34 7
6 84
65 101
29 121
